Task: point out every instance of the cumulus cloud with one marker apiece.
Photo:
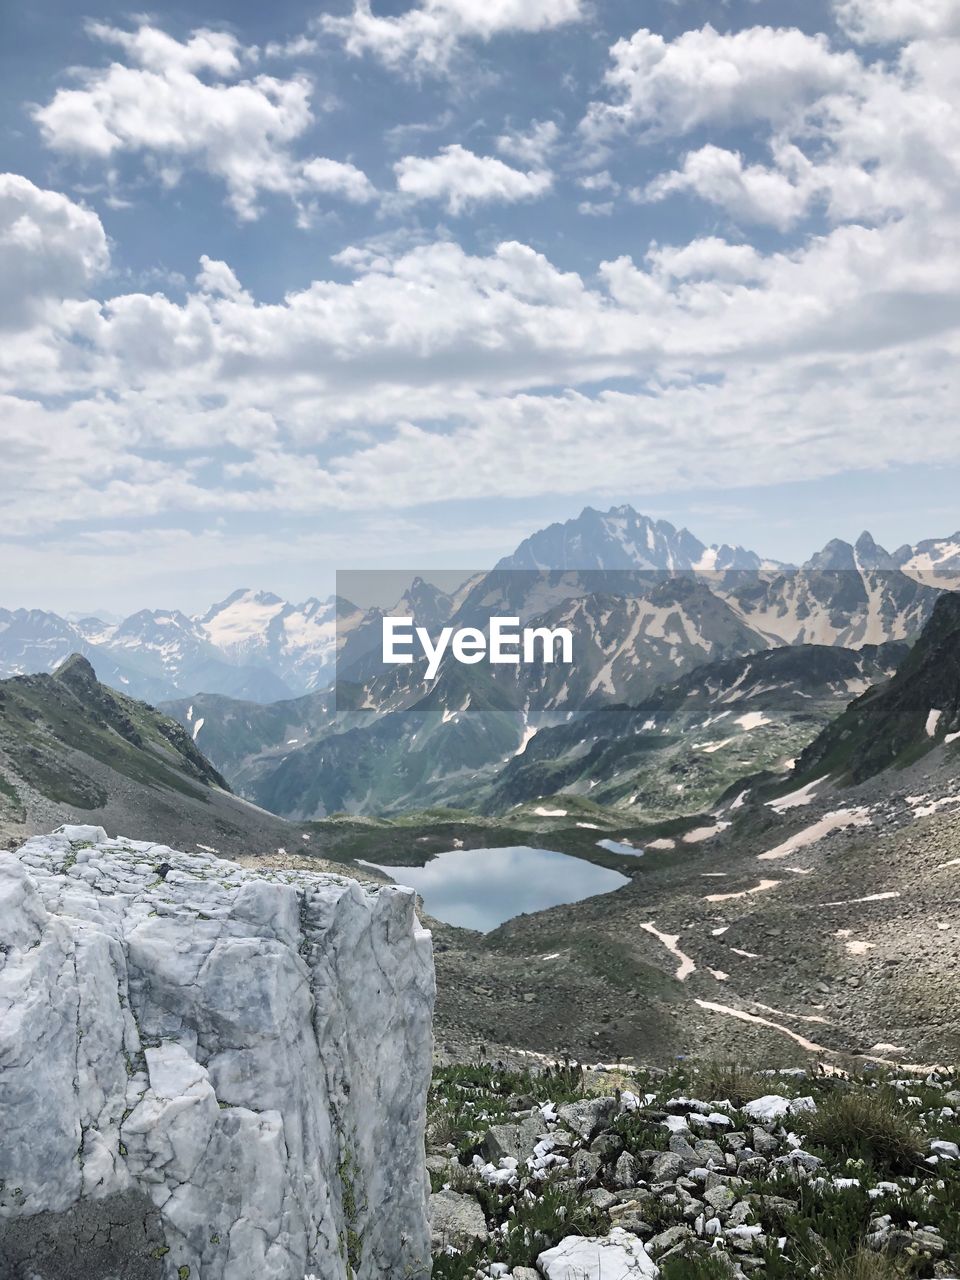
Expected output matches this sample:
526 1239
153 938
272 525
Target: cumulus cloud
532 145
218 277
887 21
460 178
427 36
787 389
434 372
427 329
599 182
337 178
669 87
709 258
50 248
858 140
181 105
217 51
299 47
751 192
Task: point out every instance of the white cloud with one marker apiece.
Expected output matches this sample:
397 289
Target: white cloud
888 21
668 87
427 331
216 51
50 248
242 131
686 436
217 277
436 333
531 146
599 182
427 35
298 47
751 192
709 257
462 179
860 141
339 179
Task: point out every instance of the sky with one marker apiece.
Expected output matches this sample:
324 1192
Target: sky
293 288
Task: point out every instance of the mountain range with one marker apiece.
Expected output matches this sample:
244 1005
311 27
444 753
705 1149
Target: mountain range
251 645
897 722
252 678
643 614
257 647
784 816
678 750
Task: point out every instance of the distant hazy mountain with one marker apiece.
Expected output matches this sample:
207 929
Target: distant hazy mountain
246 740
258 648
438 750
621 538
252 646
847 594
296 642
935 560
167 645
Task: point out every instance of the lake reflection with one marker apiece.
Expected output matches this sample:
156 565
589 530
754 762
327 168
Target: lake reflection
480 888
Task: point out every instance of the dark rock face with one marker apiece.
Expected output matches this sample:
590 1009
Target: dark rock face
117 1238
897 722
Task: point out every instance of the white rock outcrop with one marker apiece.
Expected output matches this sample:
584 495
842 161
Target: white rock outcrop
618 1256
208 1073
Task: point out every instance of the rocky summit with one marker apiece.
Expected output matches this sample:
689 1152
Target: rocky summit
206 1071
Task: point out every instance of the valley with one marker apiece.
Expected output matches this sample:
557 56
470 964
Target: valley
480 640
761 822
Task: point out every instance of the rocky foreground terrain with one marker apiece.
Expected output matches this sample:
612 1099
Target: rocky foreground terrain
711 1174
216 1073
829 927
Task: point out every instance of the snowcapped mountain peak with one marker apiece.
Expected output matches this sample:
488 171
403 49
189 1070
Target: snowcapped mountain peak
158 617
240 619
623 538
243 596
620 538
935 560
241 593
296 641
